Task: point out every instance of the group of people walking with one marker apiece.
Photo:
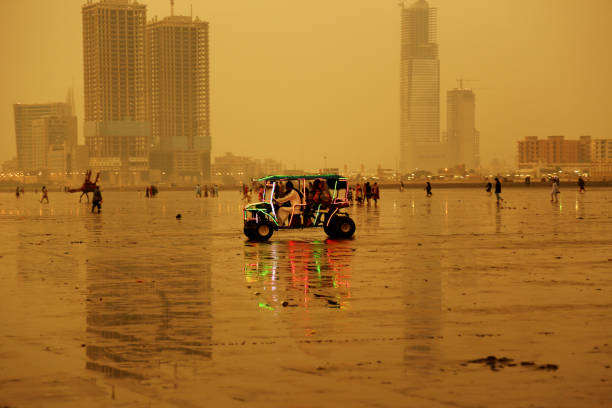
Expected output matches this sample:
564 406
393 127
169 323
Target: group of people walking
364 194
96 200
212 191
497 188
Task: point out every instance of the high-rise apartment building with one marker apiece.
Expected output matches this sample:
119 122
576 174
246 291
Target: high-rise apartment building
114 82
28 147
420 144
113 60
178 95
462 136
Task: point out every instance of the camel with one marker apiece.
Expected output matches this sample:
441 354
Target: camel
87 187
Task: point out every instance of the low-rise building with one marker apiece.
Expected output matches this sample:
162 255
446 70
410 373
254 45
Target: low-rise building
554 150
10 166
585 155
231 169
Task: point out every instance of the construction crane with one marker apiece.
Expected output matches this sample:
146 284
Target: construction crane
460 81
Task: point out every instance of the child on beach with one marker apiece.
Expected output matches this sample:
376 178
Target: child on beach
554 193
45 196
581 185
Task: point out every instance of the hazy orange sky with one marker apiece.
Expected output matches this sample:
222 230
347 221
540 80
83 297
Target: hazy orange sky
303 81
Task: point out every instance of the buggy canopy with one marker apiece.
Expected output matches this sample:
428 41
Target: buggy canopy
306 177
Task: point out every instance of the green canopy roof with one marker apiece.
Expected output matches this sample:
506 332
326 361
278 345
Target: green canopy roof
307 177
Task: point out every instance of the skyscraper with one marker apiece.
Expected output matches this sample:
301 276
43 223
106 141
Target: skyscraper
29 148
113 61
463 138
420 145
178 95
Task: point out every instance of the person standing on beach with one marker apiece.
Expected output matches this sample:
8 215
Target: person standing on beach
198 191
401 186
375 194
428 189
498 191
17 192
554 193
45 195
489 187
96 200
581 184
368 191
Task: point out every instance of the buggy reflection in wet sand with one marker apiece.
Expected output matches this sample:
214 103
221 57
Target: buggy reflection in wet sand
311 201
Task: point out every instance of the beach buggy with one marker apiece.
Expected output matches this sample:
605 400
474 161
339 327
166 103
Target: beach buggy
311 201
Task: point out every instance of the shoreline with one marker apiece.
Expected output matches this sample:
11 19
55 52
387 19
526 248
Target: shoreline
384 186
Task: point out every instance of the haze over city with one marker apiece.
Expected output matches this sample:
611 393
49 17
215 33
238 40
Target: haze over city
273 204
298 83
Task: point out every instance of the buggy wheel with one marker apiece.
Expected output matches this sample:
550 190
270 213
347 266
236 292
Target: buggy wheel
340 227
331 228
262 231
345 226
249 229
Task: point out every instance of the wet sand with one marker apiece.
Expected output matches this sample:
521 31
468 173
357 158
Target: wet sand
134 308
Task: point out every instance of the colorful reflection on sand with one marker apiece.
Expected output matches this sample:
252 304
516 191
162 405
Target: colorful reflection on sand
299 273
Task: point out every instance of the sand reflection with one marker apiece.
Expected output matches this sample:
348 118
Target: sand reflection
304 274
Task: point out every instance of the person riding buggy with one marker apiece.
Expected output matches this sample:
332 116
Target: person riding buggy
309 201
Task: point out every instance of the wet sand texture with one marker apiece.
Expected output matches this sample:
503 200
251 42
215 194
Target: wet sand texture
440 302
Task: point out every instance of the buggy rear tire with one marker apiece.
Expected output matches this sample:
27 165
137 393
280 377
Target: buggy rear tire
345 227
262 231
340 227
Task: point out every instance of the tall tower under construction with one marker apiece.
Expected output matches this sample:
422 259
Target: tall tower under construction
115 130
420 144
463 138
178 95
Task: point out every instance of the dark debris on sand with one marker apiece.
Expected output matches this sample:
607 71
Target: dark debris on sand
496 364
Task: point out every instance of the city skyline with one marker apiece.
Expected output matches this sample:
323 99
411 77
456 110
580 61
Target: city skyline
518 61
